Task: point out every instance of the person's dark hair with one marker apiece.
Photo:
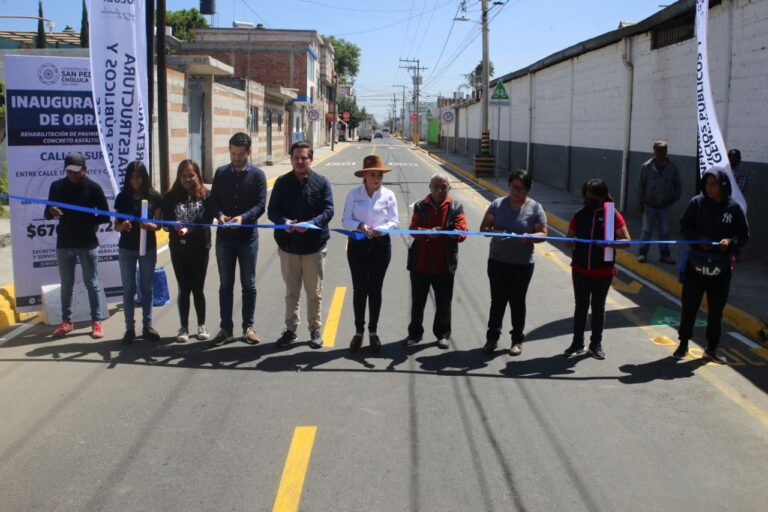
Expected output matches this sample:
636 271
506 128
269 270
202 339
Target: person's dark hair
522 175
302 144
139 167
178 191
241 140
735 154
598 187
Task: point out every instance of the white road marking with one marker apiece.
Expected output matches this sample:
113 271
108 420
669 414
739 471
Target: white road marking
748 342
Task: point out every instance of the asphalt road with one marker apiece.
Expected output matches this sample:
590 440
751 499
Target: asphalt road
91 425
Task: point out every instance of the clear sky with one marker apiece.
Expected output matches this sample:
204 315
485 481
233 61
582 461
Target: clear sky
521 32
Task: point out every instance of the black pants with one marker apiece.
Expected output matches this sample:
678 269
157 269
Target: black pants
368 261
509 285
694 287
190 264
589 291
442 286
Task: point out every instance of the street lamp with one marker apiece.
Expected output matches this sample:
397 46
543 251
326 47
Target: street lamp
485 163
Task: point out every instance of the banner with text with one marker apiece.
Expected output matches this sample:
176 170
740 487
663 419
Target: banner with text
49 112
120 87
712 149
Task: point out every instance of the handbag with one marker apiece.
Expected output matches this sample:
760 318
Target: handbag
160 294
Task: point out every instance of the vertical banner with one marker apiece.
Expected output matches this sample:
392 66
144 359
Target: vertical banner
50 113
118 44
712 149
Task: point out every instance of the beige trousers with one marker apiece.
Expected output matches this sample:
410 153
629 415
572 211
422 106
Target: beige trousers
307 269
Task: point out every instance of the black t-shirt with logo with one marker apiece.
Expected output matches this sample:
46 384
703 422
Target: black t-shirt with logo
127 204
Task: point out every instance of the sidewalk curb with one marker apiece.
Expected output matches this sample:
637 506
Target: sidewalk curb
746 323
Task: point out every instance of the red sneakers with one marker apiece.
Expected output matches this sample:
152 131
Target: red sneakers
62 329
96 331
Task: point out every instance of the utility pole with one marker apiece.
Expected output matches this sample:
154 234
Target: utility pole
162 100
485 162
402 112
416 86
394 113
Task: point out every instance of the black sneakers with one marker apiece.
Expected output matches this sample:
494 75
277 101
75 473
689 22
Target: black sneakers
128 337
315 339
596 351
714 356
681 351
576 349
286 338
150 334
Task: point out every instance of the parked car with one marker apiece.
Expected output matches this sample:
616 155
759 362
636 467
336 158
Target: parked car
378 135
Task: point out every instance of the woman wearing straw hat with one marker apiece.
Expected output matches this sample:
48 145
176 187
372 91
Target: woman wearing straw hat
369 208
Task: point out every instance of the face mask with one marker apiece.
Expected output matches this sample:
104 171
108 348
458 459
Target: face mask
593 203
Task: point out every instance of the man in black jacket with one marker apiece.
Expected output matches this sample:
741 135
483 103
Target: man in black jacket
301 196
76 239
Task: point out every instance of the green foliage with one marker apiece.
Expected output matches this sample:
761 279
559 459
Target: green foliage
40 41
346 60
84 29
184 22
3 188
356 115
475 77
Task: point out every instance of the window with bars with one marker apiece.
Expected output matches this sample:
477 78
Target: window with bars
676 30
253 120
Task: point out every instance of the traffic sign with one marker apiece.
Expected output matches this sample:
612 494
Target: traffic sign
313 114
413 116
329 117
345 116
448 117
500 96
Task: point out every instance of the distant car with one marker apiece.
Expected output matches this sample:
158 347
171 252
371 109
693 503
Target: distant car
378 135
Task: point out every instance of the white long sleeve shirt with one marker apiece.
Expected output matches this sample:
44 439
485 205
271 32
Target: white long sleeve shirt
378 211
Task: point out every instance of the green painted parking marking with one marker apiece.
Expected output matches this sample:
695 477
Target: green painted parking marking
671 317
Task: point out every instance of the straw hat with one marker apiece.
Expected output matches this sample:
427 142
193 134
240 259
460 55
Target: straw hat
372 163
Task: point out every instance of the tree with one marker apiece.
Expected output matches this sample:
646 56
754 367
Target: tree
356 115
84 27
475 78
346 59
40 41
184 22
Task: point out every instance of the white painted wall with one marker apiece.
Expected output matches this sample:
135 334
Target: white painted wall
580 102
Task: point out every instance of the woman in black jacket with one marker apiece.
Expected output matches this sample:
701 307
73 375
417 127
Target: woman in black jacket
712 215
188 201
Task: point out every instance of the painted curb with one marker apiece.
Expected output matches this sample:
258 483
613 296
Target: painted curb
744 322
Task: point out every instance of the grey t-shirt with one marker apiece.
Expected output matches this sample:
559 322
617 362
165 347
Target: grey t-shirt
511 250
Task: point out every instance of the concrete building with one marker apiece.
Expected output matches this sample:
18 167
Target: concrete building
297 60
594 109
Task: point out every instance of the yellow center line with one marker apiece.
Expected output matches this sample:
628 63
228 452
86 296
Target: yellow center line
334 314
295 469
271 182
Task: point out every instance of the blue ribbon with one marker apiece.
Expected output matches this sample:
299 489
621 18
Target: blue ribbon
353 234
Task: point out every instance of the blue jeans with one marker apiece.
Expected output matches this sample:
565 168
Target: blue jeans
128 260
651 217
228 253
67 259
